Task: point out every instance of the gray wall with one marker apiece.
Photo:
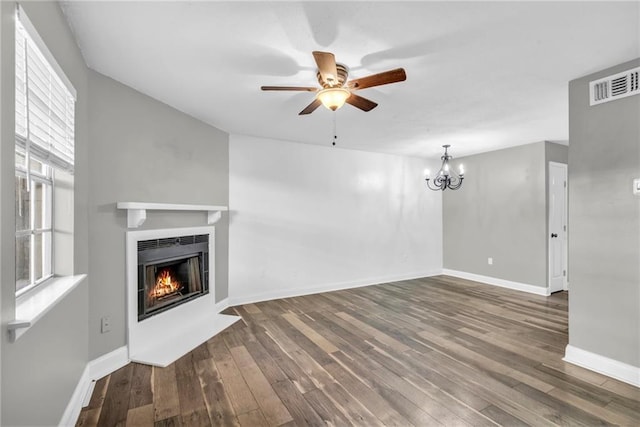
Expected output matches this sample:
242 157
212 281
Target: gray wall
558 153
6 232
41 369
145 151
499 212
604 220
6 105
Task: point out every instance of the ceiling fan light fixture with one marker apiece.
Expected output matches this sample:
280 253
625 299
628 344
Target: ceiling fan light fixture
333 97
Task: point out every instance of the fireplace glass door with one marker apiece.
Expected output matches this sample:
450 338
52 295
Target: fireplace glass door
171 272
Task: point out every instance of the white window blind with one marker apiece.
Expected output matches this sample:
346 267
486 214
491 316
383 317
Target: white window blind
44 106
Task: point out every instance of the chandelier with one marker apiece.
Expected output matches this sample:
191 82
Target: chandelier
446 177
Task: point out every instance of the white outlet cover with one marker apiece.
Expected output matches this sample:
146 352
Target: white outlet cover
636 186
105 325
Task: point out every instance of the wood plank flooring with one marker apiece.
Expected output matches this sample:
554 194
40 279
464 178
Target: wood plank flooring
434 351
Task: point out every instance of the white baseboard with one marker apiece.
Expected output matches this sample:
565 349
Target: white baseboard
222 305
289 293
603 365
108 363
72 411
524 287
95 369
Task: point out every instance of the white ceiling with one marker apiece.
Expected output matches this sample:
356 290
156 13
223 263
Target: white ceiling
480 75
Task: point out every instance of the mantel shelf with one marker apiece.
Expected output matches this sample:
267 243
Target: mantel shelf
137 211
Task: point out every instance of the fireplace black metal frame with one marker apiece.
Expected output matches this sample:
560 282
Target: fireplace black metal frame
158 252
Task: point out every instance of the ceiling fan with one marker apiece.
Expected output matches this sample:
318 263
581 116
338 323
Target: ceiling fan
334 88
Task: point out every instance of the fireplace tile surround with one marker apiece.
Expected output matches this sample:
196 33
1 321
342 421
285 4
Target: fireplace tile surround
160 338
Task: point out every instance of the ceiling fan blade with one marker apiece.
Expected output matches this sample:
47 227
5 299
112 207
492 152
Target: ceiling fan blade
311 107
298 88
392 76
362 103
327 66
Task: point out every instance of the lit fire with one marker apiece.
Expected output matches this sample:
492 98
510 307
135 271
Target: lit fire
165 285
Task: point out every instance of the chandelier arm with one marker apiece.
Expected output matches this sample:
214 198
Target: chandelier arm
457 184
435 186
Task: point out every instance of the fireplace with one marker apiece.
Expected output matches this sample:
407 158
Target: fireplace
171 306
171 271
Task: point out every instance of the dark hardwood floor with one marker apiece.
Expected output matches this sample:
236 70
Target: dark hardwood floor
435 351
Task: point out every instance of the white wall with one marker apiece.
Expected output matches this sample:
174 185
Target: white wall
307 218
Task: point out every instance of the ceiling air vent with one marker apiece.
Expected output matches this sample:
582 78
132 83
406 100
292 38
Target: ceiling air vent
614 87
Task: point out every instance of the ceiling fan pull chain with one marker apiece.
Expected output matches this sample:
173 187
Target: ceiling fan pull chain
335 132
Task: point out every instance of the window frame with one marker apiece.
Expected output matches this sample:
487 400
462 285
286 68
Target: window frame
37 159
47 180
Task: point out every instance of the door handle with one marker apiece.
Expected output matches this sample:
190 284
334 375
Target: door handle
554 235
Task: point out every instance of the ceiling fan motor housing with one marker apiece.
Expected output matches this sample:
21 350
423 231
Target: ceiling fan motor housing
343 73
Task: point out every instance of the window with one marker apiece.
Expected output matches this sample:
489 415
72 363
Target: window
33 223
44 106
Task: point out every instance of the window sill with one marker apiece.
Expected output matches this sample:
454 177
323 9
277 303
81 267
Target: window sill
32 306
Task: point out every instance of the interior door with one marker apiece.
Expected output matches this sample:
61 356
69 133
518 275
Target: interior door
557 226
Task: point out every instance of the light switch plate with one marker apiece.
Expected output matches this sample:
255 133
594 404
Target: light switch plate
636 186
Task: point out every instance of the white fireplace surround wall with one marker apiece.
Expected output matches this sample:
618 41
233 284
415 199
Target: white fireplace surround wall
163 338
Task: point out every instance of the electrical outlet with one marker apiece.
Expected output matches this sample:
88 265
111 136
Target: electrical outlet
490 261
105 324
636 186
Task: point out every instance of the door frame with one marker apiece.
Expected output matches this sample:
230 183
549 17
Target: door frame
565 246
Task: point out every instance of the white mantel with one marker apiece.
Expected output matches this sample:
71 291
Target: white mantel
137 211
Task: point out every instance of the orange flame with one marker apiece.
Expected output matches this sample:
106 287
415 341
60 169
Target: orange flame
165 285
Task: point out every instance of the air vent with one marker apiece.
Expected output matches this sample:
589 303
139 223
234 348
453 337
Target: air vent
202 238
145 245
187 240
615 87
170 241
